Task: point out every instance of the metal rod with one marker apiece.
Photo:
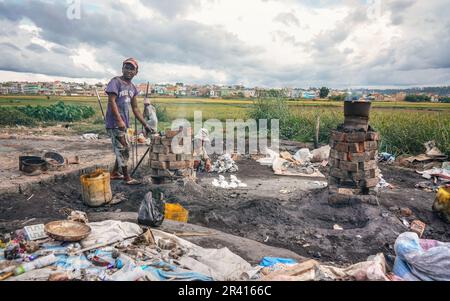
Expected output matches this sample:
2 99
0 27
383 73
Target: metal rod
139 164
100 103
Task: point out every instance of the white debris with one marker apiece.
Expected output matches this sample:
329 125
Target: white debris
233 184
270 157
337 227
89 136
303 156
225 164
321 154
383 183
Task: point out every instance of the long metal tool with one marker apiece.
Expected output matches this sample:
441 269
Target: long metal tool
140 162
100 103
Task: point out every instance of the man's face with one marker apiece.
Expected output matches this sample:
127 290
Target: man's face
129 71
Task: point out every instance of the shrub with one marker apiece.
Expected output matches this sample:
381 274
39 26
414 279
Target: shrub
11 116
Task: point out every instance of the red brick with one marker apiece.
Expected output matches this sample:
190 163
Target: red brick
371 145
341 147
356 147
418 227
368 165
166 141
161 149
373 136
177 164
370 183
338 136
169 157
337 173
158 165
189 164
356 137
171 134
348 166
154 157
357 157
156 140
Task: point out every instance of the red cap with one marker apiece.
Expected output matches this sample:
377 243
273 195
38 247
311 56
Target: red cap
132 61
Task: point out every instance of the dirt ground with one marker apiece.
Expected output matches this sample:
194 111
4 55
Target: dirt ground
286 212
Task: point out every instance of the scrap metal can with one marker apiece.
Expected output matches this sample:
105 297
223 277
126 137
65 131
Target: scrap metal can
96 188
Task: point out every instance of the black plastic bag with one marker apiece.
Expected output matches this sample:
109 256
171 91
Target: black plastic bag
151 212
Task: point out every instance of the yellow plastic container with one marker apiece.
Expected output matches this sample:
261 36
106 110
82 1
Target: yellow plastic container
96 188
442 203
176 212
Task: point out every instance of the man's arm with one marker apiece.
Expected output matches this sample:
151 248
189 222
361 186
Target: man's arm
137 113
115 111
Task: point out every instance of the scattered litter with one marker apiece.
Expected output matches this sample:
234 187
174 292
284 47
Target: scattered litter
271 261
420 259
374 269
285 191
234 182
358 236
442 203
386 157
270 157
303 156
35 232
405 222
89 136
406 212
382 183
225 163
118 198
267 239
30 197
78 216
321 154
337 227
418 227
433 151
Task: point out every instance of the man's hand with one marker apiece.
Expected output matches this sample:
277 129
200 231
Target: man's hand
148 129
121 125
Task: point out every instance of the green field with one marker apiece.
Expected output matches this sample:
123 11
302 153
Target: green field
404 126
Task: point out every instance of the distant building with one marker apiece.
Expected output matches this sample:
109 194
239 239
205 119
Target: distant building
400 96
309 95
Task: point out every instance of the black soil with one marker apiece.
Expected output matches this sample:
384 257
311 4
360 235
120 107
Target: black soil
301 221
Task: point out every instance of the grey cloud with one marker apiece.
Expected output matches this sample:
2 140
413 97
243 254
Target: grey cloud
171 8
36 48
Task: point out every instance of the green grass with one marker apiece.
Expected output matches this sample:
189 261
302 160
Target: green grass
404 126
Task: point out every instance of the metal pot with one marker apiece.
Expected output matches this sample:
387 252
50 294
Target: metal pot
34 166
357 108
23 158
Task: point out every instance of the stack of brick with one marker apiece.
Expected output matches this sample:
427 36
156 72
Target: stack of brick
353 164
164 163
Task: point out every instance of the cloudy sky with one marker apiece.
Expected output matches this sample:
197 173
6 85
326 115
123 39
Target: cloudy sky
266 43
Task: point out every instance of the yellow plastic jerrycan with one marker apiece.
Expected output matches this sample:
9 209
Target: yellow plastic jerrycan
442 203
96 188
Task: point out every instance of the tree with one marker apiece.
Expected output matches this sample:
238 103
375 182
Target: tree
324 91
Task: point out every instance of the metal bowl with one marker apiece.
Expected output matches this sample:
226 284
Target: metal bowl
67 230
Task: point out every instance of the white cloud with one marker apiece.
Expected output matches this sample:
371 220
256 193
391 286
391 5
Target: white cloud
253 42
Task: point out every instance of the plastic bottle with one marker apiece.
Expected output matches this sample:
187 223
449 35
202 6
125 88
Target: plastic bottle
37 264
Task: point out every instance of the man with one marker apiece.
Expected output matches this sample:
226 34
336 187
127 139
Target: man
150 115
121 93
201 158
